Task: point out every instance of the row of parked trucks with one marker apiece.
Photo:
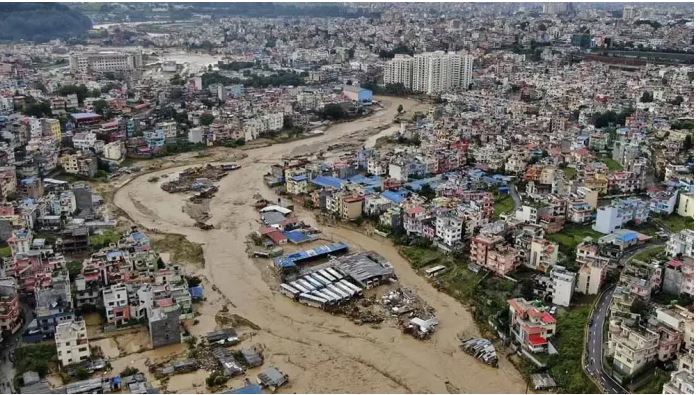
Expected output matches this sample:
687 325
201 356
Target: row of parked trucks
323 288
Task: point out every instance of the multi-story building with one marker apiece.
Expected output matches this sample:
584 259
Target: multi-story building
620 212
593 269
169 129
530 325
681 382
543 254
71 342
681 243
399 71
491 253
430 72
116 304
502 259
163 322
84 141
448 229
527 214
679 277
633 347
79 163
579 212
562 285
685 206
10 317
680 319
350 206
663 202
105 61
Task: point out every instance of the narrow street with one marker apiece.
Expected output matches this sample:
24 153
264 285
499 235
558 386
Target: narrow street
595 345
595 338
515 195
7 349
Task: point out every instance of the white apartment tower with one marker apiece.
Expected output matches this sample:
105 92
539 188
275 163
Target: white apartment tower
430 72
399 70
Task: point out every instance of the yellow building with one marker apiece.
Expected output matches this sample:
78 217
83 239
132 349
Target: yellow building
685 207
52 127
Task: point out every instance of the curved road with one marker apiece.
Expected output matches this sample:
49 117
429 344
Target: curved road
595 338
595 345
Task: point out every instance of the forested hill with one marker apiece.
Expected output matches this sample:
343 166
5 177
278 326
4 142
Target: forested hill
41 22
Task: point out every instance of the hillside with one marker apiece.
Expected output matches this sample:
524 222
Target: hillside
41 22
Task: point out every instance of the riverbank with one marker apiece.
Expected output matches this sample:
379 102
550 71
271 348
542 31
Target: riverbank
320 352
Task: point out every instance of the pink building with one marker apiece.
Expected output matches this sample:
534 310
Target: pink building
530 325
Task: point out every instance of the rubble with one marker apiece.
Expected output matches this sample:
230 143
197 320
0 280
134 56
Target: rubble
404 302
197 178
481 349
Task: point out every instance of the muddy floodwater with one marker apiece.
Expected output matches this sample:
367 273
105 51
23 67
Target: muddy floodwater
319 351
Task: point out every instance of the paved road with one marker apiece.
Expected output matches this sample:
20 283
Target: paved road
515 195
595 337
595 344
7 348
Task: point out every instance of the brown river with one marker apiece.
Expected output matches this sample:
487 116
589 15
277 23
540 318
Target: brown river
321 353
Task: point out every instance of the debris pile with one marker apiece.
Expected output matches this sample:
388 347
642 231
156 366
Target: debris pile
363 312
196 178
414 316
481 349
419 328
402 302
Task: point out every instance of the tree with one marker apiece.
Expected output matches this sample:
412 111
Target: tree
80 90
400 109
677 101
527 288
177 80
81 373
74 268
207 119
100 106
647 97
334 111
38 110
427 192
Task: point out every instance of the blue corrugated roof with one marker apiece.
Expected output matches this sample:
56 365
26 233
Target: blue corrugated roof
250 388
298 178
627 235
395 197
328 181
196 292
290 261
368 181
297 236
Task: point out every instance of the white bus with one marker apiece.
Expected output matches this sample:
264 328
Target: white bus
319 278
299 287
314 282
435 271
343 287
343 294
335 273
327 275
289 291
307 285
312 300
351 286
